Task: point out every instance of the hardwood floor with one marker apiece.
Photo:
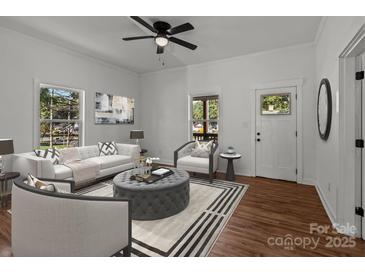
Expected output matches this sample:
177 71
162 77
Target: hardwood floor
273 208
270 208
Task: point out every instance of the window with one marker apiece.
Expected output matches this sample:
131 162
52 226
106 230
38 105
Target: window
60 117
275 104
205 114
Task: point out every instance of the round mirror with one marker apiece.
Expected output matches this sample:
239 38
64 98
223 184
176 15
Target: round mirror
324 109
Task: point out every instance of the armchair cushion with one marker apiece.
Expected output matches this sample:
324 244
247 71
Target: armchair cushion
193 161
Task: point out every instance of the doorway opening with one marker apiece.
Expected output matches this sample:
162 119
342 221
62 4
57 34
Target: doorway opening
352 133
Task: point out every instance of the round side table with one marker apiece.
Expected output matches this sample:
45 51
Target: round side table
6 180
230 176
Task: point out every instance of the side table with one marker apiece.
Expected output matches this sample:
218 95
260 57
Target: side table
6 181
230 176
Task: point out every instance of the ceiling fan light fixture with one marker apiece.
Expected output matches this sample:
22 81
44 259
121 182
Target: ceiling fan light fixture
161 41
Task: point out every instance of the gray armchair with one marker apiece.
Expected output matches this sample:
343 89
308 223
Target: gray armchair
184 160
62 224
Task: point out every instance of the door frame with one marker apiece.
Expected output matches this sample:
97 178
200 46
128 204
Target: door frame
298 84
347 129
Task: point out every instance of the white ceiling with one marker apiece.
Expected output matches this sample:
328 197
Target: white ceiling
216 37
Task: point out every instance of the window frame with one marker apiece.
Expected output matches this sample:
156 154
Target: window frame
37 119
276 94
194 96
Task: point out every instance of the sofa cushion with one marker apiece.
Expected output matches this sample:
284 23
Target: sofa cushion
111 160
193 161
62 172
88 152
68 155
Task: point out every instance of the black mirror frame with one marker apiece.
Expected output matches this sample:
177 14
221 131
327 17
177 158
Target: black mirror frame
324 136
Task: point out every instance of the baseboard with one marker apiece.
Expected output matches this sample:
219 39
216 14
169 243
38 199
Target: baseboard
327 207
308 181
236 173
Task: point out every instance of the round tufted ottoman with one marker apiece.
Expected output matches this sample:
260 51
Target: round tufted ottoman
163 198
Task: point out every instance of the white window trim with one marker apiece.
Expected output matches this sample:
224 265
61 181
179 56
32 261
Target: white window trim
208 92
37 84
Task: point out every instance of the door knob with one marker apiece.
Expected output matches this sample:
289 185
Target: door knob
258 133
258 140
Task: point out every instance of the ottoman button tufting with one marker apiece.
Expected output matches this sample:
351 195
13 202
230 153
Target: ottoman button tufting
163 198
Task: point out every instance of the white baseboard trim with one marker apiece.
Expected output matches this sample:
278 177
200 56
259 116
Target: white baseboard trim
308 181
327 207
236 173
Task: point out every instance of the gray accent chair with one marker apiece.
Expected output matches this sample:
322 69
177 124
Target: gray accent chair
60 224
184 160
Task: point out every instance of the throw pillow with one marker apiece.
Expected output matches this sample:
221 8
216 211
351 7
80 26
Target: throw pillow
30 181
52 154
202 149
107 148
68 155
35 182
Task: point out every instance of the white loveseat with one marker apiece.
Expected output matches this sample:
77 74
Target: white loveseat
42 168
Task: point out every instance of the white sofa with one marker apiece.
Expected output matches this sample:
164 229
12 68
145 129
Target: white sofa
42 168
49 224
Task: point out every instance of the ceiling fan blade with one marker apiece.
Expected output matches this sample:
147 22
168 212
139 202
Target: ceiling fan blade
181 28
183 43
137 38
159 50
144 23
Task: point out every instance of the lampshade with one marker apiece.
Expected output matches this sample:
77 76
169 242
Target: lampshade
137 134
6 146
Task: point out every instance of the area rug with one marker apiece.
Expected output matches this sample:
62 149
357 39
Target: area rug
193 231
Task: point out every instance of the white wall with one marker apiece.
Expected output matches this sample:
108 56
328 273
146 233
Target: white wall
165 104
335 35
23 58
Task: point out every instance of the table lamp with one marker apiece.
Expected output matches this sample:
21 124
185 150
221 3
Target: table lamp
6 147
137 135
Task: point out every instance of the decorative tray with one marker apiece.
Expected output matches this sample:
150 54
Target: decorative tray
151 178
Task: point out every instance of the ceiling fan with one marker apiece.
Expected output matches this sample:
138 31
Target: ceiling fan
164 34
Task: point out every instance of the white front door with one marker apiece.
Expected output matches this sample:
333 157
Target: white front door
276 131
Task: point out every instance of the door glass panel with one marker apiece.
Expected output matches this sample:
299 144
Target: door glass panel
275 104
